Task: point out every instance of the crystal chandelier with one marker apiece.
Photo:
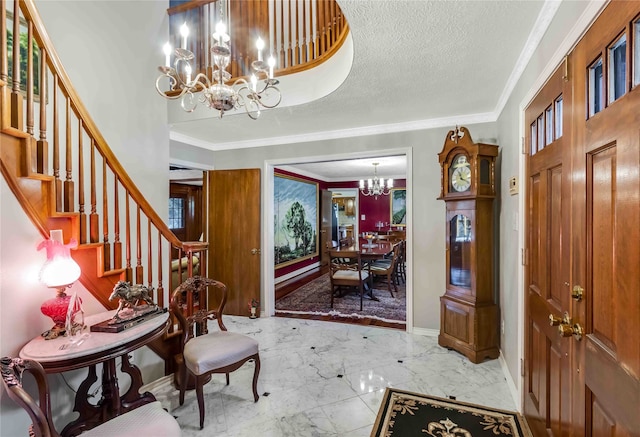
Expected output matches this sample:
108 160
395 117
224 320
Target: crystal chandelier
375 186
215 93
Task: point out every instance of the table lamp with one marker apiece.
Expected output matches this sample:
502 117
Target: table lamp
59 271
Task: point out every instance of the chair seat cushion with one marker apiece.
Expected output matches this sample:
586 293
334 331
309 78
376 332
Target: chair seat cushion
217 349
349 275
147 420
380 266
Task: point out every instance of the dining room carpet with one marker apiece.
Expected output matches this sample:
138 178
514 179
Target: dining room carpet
314 298
404 413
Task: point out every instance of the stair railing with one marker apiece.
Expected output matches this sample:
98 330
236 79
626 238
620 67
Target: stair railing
94 199
300 34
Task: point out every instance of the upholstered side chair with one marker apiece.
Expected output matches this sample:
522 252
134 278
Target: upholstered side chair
204 352
146 420
347 270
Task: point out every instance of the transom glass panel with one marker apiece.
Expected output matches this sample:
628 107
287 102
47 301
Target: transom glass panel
618 69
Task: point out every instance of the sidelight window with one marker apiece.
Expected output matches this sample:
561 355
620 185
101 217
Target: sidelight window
618 69
596 88
541 138
636 52
558 117
548 125
534 138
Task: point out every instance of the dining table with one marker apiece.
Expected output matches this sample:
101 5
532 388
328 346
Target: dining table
89 349
370 251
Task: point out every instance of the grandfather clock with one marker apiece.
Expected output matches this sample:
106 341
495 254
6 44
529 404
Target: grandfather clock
468 314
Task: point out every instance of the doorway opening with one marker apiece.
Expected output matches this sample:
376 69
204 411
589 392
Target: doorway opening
345 200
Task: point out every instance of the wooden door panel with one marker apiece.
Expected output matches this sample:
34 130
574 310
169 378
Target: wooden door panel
234 235
555 253
602 178
547 407
536 215
606 223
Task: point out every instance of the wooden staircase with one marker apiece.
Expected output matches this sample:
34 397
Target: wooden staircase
65 176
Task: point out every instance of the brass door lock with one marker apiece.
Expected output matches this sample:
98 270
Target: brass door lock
577 293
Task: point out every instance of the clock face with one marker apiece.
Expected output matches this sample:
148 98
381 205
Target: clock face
461 174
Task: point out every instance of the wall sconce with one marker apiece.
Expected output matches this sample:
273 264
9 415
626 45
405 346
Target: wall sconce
59 271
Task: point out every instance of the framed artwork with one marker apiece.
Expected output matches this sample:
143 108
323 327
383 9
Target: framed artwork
296 220
398 208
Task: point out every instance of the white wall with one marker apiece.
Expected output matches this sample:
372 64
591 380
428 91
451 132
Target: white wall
428 211
110 50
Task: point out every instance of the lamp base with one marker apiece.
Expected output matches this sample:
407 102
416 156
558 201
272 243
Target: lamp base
56 308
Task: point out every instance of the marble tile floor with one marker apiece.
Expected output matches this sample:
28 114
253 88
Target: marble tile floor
327 379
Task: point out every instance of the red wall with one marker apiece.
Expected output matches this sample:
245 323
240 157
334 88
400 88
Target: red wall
373 209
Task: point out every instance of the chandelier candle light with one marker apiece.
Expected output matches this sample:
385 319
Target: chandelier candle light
215 93
376 186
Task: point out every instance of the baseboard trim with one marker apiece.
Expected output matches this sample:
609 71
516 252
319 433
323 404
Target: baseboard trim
426 332
510 383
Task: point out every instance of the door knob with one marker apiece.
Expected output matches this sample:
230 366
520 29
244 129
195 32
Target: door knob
255 251
567 330
577 292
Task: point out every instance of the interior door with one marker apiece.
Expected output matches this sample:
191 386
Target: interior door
547 356
326 208
233 230
606 223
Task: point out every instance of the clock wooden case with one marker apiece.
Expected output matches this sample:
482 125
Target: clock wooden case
468 313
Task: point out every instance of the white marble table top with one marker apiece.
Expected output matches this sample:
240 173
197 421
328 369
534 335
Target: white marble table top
45 351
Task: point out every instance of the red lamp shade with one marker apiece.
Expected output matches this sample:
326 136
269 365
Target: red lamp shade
59 271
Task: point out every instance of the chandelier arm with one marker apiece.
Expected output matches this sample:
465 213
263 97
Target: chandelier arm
271 106
190 105
172 83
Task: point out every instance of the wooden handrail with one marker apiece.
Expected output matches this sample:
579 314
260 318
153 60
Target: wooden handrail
31 14
60 201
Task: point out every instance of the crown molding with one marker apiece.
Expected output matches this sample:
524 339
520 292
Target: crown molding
469 119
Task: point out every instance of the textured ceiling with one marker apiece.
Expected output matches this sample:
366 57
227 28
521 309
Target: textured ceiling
418 63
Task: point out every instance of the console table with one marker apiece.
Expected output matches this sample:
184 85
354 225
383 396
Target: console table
99 348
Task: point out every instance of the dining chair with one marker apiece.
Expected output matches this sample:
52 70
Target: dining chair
203 352
146 420
401 263
386 268
347 270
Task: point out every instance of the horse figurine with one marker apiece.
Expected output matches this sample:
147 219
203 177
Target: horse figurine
130 296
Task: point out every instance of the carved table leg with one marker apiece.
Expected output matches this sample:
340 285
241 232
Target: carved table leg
133 398
83 406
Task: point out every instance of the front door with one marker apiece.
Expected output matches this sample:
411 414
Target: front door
582 377
233 230
606 226
547 356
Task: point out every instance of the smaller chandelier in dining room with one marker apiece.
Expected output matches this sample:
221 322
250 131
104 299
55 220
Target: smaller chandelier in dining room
215 93
376 186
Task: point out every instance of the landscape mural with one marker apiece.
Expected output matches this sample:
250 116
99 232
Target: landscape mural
295 220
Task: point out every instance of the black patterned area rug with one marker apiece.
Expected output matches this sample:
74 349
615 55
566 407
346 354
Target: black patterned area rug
314 298
408 414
